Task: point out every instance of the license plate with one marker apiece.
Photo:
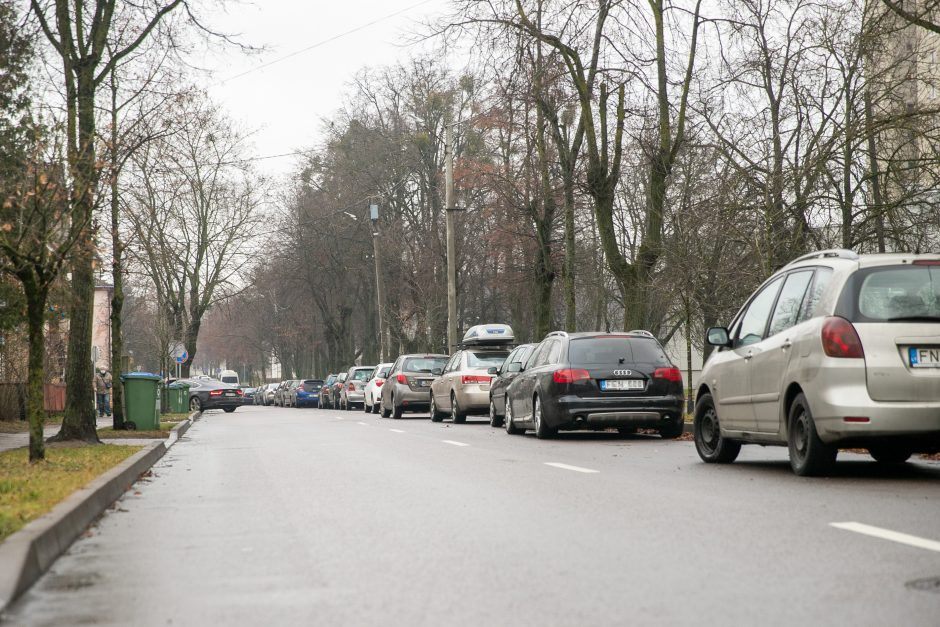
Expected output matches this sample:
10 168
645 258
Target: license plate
424 384
623 384
924 357
230 393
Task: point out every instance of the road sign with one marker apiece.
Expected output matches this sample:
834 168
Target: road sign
181 358
178 352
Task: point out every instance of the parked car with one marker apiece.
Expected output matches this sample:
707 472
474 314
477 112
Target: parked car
326 401
464 385
289 393
208 394
408 385
248 395
229 376
265 394
306 393
373 388
504 374
280 398
352 391
835 350
596 381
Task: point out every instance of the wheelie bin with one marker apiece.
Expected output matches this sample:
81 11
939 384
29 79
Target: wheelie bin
141 400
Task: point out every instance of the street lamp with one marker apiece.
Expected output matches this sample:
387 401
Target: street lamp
379 288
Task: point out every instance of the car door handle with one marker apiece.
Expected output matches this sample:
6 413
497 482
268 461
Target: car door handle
786 344
748 355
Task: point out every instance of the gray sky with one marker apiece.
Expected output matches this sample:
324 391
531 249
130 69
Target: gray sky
284 103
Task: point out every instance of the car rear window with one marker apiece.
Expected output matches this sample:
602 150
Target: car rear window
383 372
486 359
616 350
423 364
312 385
894 293
361 375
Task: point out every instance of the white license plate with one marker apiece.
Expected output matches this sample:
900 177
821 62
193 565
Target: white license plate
924 357
623 384
230 393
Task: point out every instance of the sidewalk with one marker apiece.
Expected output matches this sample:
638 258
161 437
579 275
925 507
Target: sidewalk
17 440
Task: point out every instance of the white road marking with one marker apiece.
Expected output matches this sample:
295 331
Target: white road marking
570 467
364 424
454 442
340 418
397 430
887 534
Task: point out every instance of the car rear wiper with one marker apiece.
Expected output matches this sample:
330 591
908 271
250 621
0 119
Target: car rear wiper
914 319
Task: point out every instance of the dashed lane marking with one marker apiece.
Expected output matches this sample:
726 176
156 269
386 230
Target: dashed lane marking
364 424
570 467
455 442
887 534
397 430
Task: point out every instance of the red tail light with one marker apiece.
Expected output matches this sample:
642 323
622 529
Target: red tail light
669 374
402 379
379 382
215 393
927 262
570 375
239 392
840 339
350 387
475 379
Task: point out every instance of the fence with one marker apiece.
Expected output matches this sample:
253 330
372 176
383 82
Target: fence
13 399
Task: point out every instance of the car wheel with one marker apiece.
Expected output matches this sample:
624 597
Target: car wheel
495 420
511 428
436 416
672 430
375 407
229 410
366 408
542 430
456 415
711 446
195 404
385 412
397 410
887 454
809 456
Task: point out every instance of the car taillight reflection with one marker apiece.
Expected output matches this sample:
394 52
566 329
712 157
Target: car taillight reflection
839 339
570 375
669 374
475 379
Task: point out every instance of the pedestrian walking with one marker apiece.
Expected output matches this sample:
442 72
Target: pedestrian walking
103 392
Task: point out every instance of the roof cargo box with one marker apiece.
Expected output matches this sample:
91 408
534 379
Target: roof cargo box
488 335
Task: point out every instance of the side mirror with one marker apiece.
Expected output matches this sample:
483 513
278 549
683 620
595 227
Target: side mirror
437 372
515 366
718 336
492 370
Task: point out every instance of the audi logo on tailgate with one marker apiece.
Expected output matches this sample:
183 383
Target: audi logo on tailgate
622 373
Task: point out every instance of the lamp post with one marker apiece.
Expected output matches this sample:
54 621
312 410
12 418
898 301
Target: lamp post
379 288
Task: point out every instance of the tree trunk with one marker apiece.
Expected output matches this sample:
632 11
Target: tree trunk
35 309
117 273
571 310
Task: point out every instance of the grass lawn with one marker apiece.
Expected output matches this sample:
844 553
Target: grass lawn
109 433
22 426
27 491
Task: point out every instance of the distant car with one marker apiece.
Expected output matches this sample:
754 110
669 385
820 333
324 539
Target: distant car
248 395
408 386
280 393
835 350
325 392
596 381
266 394
336 390
352 391
306 393
211 394
504 374
464 385
289 393
373 389
229 376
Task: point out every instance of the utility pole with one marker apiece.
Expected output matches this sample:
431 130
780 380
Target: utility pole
379 288
451 237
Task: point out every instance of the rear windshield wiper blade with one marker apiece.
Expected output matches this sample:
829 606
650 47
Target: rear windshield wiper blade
914 319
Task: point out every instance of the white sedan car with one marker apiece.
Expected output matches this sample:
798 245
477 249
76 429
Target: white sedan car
373 389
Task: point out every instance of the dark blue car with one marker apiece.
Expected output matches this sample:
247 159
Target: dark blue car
307 394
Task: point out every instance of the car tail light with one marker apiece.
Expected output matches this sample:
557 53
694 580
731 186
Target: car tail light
927 262
669 374
570 375
402 379
239 392
379 382
215 393
470 379
839 339
351 387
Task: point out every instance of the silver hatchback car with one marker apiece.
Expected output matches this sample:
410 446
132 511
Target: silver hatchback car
408 385
835 350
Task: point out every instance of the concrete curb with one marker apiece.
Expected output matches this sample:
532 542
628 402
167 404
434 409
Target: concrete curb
29 552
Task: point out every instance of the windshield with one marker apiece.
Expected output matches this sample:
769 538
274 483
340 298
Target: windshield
383 372
898 293
312 385
487 359
423 364
616 350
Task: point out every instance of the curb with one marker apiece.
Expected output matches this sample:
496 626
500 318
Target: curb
29 552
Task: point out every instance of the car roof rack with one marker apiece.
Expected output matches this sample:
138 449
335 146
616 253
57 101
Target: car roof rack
643 333
832 253
557 334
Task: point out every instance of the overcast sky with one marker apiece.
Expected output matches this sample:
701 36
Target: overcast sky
284 103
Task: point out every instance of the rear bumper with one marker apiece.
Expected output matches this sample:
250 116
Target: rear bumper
308 399
473 399
574 412
355 397
409 399
221 403
916 422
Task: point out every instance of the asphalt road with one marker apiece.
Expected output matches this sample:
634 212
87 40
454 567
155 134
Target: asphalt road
305 517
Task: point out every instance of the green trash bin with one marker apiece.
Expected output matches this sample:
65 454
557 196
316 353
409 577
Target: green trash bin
178 397
141 400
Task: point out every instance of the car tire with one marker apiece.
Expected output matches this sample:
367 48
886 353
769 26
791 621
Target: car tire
508 424
229 410
195 404
887 454
672 430
712 447
366 408
456 415
385 412
542 430
397 410
436 416
809 455
375 407
495 420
